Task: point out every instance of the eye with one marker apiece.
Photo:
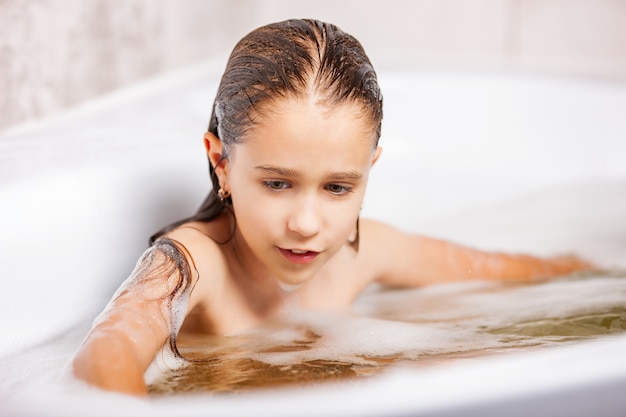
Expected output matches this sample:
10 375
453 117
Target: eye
338 189
276 185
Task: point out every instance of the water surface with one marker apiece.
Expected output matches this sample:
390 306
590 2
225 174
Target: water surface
399 327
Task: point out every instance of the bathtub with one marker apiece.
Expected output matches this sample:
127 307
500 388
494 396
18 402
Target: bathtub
493 160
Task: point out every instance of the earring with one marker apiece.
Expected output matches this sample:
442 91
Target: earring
223 194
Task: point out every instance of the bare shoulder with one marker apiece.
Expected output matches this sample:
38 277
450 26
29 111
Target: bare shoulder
378 227
383 246
204 256
379 235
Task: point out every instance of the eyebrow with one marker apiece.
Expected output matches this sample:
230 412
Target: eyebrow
289 172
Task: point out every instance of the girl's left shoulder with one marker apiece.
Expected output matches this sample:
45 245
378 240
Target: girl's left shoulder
382 245
379 236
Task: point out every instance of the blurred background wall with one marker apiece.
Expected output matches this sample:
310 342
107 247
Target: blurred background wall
55 54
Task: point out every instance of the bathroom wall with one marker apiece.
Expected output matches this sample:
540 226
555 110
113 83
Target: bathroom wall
55 54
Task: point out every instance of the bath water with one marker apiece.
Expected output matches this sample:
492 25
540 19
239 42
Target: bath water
401 328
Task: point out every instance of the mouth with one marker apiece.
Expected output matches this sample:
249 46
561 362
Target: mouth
299 256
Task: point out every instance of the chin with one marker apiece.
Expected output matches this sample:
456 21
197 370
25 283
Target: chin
289 287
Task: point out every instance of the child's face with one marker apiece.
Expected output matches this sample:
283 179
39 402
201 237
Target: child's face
297 185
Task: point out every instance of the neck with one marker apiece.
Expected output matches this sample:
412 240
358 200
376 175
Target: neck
252 277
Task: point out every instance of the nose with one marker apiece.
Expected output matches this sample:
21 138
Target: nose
305 217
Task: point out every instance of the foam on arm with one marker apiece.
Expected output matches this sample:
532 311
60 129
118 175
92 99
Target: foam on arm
146 311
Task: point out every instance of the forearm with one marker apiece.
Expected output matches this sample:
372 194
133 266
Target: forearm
108 361
462 263
520 267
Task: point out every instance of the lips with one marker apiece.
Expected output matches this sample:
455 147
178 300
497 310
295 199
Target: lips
299 256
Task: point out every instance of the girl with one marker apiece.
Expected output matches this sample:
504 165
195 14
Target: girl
291 140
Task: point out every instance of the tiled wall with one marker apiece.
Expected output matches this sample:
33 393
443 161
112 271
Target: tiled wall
585 37
57 53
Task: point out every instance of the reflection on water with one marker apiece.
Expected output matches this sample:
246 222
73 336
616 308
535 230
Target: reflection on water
595 323
387 327
226 375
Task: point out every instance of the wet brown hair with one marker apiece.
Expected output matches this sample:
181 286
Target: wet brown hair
290 59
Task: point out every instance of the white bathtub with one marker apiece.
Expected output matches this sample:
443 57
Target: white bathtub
495 161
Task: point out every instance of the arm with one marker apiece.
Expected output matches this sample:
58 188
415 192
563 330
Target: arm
137 322
412 260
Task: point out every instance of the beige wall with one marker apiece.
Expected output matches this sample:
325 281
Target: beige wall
57 53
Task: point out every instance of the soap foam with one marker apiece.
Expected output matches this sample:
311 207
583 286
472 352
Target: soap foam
422 325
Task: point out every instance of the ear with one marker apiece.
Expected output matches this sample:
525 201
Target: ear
377 153
214 151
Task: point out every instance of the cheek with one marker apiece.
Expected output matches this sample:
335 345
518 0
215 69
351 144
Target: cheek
256 213
341 218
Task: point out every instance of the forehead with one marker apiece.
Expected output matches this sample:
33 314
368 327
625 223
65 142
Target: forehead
304 132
